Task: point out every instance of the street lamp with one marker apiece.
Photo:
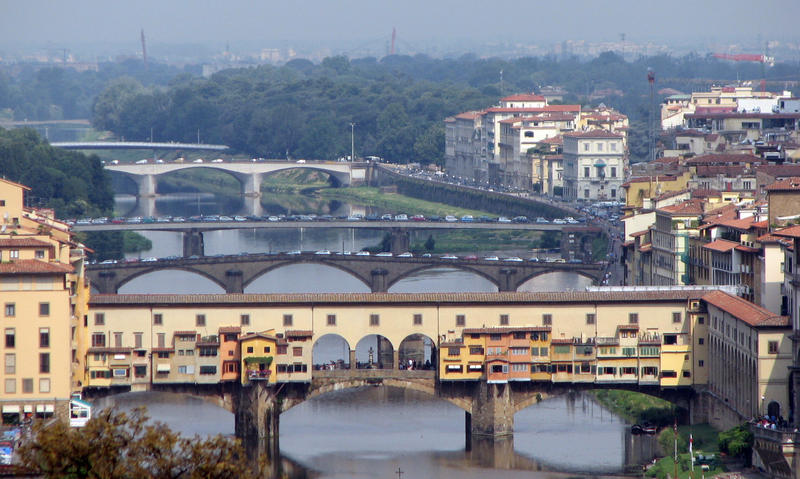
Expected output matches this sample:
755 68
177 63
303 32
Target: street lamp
352 141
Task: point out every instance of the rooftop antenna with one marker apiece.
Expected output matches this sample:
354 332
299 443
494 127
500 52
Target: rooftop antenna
651 79
144 50
501 82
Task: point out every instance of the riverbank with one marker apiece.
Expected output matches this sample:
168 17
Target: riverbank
370 196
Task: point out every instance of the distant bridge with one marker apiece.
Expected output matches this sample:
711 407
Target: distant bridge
248 173
136 145
234 273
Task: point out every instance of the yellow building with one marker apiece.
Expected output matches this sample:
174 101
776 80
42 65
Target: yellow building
44 299
258 352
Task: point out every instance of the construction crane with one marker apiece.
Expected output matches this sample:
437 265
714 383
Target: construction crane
144 50
750 57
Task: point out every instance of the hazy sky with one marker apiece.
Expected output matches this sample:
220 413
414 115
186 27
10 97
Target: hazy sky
420 24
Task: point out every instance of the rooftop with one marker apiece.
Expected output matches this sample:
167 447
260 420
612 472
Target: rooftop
744 310
34 266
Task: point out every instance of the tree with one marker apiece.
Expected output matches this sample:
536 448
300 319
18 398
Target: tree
430 243
121 445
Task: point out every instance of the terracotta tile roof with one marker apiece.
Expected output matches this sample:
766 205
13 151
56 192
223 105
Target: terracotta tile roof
627 244
230 329
747 249
780 171
646 248
23 242
744 310
562 341
721 245
639 233
771 238
555 140
469 115
34 266
553 108
358 299
298 333
506 330
788 184
790 232
706 193
684 208
592 134
9 182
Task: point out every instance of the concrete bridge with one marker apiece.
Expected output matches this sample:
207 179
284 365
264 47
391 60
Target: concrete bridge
248 173
136 145
234 273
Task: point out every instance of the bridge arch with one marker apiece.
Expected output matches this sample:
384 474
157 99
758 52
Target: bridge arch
337 178
426 387
323 353
426 267
535 274
188 269
418 348
381 356
306 260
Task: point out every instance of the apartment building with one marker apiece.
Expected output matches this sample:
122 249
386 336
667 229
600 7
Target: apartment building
43 298
594 166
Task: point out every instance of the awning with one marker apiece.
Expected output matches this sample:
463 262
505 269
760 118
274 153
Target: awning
162 368
27 408
11 409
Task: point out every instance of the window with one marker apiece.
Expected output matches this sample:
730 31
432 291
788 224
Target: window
158 319
249 349
99 319
11 363
44 309
39 254
599 147
503 320
244 319
98 340
628 352
208 370
282 349
11 386
200 320
613 172
476 350
266 349
547 319
417 319
676 317
297 351
117 340
287 320
586 193
374 320
670 339
519 351
687 374
140 371
44 337
669 374
137 340
633 318
700 363
701 320
331 320
207 351
586 147
11 310
590 318
27 385
10 337
13 254
772 347
461 320
613 193
454 351
163 355
44 363
586 172
701 340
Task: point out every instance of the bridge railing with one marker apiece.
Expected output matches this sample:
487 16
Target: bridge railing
373 374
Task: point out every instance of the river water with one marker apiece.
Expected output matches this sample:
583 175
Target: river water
373 432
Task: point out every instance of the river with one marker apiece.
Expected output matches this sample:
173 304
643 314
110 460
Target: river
374 432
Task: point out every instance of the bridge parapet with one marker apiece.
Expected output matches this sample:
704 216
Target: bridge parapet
777 450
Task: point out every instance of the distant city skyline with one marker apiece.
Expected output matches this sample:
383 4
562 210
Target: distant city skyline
362 27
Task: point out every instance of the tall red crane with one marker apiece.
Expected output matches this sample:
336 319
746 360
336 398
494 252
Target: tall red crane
750 57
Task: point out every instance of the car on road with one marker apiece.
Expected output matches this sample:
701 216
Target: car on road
273 219
503 219
471 257
323 252
354 218
199 160
515 259
450 219
384 254
467 219
407 254
491 258
218 160
362 253
401 217
520 219
559 221
448 256
541 220
294 252
386 217
418 218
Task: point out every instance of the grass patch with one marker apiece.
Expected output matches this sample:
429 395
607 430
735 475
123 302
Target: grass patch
458 241
370 196
637 407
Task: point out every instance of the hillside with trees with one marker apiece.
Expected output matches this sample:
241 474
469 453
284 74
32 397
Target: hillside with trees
398 103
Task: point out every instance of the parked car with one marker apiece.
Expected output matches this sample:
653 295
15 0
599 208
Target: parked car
503 219
450 219
407 254
467 219
384 254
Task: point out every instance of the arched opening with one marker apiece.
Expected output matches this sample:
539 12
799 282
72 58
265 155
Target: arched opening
417 351
555 281
443 280
306 278
774 409
331 351
196 179
300 175
171 281
374 352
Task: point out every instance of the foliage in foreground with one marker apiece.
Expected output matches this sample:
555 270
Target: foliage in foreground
121 445
737 441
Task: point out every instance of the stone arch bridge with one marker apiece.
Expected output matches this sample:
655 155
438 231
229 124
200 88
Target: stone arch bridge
234 273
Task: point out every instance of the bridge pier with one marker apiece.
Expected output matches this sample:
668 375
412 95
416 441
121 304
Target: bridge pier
107 283
378 284
257 420
400 240
193 243
233 282
251 184
506 281
146 185
492 411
